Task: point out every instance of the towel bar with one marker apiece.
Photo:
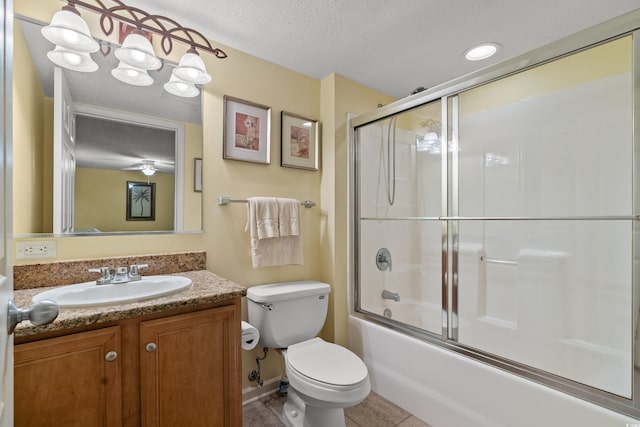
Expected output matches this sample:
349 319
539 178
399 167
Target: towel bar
224 200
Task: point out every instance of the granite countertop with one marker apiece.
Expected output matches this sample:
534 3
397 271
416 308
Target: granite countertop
207 288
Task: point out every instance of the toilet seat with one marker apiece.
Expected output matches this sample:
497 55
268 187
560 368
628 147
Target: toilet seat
326 365
327 375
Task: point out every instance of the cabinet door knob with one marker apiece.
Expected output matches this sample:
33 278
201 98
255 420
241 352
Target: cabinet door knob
151 347
111 356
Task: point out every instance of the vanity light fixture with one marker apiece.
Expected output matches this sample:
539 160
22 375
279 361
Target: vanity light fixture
192 69
132 75
429 143
69 30
137 51
76 61
177 86
481 51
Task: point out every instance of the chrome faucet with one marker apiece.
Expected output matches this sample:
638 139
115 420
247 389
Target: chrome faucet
122 274
390 295
383 259
105 275
134 271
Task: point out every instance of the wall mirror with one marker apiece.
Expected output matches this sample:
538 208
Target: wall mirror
119 130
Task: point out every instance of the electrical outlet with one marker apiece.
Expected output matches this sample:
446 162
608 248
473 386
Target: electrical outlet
36 249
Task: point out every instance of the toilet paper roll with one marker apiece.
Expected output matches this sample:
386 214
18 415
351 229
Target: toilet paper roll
250 336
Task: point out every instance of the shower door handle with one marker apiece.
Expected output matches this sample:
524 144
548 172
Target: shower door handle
383 259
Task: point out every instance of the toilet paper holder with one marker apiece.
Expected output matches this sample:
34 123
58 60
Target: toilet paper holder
250 336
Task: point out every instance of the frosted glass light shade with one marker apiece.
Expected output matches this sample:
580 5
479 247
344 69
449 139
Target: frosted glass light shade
192 69
68 29
179 87
148 170
131 75
137 51
430 143
76 61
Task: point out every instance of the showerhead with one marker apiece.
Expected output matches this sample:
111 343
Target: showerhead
417 90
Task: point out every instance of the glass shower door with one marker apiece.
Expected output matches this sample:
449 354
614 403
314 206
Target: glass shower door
399 231
545 218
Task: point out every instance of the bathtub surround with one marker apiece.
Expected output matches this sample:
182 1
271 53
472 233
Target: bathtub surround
451 390
513 231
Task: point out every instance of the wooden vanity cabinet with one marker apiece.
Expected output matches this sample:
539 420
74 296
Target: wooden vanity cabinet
68 381
178 370
186 368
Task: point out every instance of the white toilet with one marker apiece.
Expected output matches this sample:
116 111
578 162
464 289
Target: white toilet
324 378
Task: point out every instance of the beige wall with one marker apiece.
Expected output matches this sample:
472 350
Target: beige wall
28 139
602 61
193 199
224 239
226 242
101 200
340 97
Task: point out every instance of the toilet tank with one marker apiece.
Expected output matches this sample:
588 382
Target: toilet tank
289 312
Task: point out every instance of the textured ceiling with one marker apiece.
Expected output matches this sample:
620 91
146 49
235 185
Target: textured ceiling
393 46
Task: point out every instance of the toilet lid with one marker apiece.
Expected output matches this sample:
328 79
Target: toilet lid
326 362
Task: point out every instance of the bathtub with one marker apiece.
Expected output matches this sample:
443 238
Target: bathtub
445 388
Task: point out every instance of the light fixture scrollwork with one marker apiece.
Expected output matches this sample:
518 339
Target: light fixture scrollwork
168 29
73 40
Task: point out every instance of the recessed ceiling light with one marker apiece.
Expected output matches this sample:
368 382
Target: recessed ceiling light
481 51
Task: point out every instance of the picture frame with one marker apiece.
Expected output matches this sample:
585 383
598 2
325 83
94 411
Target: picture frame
299 142
246 131
197 175
141 201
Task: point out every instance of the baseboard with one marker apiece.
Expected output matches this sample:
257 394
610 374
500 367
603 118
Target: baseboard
251 394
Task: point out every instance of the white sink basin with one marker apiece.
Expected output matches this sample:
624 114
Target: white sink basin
89 294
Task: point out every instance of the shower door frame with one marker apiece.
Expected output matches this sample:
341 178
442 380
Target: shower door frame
626 25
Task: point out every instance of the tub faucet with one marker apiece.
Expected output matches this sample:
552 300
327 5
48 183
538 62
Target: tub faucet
390 295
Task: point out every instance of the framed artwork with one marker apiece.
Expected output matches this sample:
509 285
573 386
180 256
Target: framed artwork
197 175
299 142
246 131
141 201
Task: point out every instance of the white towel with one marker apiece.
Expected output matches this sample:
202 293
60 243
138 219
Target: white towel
271 251
263 212
288 217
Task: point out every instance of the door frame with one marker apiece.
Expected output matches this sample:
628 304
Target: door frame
6 215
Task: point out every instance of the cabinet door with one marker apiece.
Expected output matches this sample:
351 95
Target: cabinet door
189 367
67 381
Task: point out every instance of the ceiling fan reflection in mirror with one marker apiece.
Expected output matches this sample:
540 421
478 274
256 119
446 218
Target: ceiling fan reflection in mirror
148 167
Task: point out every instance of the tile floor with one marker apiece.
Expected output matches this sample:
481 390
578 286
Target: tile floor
374 411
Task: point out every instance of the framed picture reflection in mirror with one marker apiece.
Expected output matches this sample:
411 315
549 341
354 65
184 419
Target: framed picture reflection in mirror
141 201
